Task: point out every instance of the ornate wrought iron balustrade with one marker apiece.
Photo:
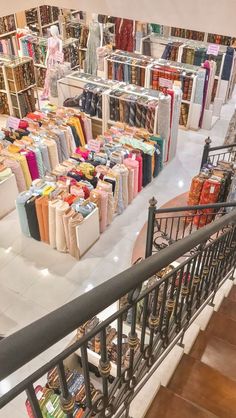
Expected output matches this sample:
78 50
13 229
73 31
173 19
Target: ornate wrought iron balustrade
213 155
152 304
168 225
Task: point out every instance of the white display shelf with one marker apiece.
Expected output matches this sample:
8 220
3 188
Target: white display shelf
4 35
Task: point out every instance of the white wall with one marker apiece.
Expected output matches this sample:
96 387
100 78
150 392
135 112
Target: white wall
217 16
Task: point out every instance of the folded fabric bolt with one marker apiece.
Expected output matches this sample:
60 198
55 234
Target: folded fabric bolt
60 232
32 218
20 207
5 173
74 221
66 217
17 170
52 221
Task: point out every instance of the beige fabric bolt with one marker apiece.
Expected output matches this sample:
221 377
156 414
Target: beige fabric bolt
74 221
60 231
52 221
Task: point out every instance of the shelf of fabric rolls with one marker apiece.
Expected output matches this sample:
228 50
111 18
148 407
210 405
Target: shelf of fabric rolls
162 74
155 45
75 83
67 169
38 44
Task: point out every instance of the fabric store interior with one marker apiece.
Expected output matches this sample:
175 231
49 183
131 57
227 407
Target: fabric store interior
98 114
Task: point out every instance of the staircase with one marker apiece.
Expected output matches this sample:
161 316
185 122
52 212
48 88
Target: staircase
204 383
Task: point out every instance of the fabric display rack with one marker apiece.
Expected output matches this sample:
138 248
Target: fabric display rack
162 74
212 38
85 91
36 48
40 18
72 186
19 87
214 183
49 395
7 35
126 104
196 53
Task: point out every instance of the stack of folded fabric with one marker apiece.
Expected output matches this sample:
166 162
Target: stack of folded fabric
214 184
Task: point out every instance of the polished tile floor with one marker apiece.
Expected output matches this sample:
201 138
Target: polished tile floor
34 279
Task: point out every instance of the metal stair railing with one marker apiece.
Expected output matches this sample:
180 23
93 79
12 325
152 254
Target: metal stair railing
155 313
168 225
219 153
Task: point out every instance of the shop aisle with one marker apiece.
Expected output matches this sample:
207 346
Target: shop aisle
35 279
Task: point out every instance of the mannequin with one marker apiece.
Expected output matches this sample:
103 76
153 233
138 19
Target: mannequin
54 55
95 40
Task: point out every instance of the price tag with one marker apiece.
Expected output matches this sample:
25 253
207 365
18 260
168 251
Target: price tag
39 395
94 145
13 122
158 151
213 49
133 157
108 163
212 189
164 82
67 182
50 407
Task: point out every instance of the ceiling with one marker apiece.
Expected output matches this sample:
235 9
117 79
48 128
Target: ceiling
216 16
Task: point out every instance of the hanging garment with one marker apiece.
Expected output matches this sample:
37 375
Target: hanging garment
54 45
94 41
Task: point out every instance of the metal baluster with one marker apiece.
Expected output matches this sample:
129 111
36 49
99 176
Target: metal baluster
104 365
199 290
132 340
171 228
179 274
185 221
163 305
204 273
34 402
191 287
184 289
67 401
219 261
165 225
144 324
85 368
177 229
196 280
119 344
209 266
170 304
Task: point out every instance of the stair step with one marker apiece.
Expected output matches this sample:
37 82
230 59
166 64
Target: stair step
228 308
232 294
169 405
223 327
204 386
216 353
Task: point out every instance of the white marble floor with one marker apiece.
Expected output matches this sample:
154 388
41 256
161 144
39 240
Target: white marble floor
34 279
